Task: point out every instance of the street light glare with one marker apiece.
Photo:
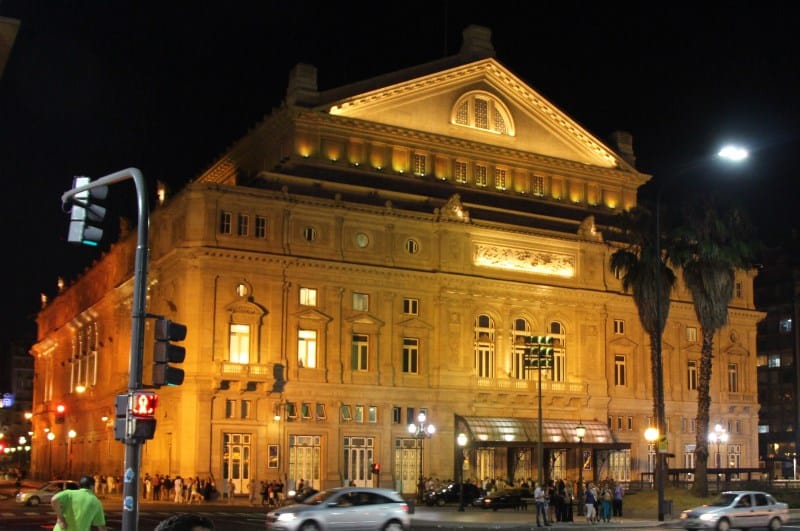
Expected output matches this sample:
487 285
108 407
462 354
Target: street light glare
733 153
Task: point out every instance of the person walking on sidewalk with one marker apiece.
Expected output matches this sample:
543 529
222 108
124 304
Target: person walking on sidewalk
540 496
619 493
591 500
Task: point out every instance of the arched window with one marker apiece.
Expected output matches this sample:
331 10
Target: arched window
481 110
559 334
484 346
519 338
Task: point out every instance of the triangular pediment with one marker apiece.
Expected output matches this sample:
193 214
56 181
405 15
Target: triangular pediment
427 104
624 343
312 314
414 322
364 318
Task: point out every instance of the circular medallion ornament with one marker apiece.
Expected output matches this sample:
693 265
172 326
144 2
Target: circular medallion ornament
362 240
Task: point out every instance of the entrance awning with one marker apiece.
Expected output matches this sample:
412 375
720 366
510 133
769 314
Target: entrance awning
508 431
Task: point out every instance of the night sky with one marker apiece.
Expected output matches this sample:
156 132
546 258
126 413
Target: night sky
93 87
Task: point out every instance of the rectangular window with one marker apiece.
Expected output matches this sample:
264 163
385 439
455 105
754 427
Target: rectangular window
691 373
372 414
692 425
396 415
410 417
785 325
733 378
411 306
460 171
261 227
308 296
244 410
239 344
360 302
619 326
346 413
774 361
739 290
537 185
307 348
360 352
230 408
291 411
225 222
500 178
481 113
322 414
305 410
619 370
481 178
418 164
243 228
630 423
619 423
691 334
359 414
410 355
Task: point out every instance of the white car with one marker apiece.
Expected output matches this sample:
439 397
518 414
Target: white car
45 493
739 509
347 508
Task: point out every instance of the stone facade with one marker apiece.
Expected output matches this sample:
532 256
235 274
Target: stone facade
391 245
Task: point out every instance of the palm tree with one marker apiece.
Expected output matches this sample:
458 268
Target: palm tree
713 242
650 281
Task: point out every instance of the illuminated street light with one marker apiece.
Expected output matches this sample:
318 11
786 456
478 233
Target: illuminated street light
462 441
718 436
421 431
729 153
580 433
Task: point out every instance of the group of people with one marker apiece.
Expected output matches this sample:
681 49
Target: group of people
604 501
271 492
179 489
81 510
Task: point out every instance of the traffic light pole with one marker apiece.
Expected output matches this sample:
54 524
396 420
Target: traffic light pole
133 449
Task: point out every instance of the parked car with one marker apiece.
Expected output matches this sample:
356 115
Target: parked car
450 493
45 493
506 499
344 508
738 509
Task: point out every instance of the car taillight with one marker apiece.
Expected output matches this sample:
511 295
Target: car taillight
404 507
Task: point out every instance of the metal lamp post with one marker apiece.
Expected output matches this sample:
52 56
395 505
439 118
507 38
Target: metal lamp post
70 435
652 434
462 442
580 432
421 431
50 437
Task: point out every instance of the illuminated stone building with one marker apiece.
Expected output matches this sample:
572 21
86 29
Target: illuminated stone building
392 244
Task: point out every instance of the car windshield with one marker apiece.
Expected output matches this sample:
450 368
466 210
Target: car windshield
723 500
320 497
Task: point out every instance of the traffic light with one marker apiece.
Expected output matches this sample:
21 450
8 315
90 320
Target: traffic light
61 411
280 381
142 416
143 410
85 215
164 352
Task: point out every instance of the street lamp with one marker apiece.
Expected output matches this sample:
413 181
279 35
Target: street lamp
580 432
462 442
728 153
421 431
652 434
70 435
539 356
718 436
50 437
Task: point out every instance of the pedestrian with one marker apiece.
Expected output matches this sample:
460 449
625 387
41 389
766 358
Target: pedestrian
186 522
590 501
79 510
251 490
539 495
231 488
619 493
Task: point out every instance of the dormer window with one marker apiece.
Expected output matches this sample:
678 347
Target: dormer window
481 110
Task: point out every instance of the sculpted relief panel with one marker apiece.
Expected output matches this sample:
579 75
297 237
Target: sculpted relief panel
524 260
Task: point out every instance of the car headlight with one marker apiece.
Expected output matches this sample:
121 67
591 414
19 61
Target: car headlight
286 517
709 517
